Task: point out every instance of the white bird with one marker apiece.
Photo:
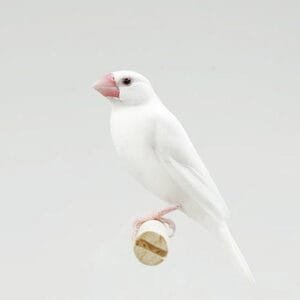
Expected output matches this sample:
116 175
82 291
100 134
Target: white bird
158 152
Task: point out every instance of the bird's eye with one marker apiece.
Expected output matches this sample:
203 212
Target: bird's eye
126 81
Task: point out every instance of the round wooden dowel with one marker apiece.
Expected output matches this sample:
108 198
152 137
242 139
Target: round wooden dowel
151 243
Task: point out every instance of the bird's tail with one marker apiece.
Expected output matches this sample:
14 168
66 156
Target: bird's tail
224 235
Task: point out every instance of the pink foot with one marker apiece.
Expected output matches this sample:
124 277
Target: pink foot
159 216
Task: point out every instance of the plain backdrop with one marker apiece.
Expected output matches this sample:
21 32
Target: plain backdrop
229 70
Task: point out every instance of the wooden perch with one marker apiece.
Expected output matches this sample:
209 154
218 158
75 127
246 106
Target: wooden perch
151 243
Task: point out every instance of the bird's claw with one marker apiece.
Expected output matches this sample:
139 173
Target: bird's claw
158 216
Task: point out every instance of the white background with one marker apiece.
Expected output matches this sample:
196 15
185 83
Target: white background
230 71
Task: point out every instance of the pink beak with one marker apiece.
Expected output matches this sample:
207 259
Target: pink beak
107 86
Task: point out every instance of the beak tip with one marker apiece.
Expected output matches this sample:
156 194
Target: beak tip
95 85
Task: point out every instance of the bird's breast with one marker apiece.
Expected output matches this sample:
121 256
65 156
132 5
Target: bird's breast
133 138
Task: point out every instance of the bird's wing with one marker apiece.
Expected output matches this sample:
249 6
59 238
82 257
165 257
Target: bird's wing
180 159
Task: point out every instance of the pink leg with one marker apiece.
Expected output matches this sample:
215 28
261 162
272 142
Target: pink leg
159 216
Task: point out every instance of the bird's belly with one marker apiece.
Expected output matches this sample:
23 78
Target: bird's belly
146 168
132 139
140 160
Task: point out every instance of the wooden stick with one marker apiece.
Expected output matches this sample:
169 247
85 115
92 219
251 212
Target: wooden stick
151 243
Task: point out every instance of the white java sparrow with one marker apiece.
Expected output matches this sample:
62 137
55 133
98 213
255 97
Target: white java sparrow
159 154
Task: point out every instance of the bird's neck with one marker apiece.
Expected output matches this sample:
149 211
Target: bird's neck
152 102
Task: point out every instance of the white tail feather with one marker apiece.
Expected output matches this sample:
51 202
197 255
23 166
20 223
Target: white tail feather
223 234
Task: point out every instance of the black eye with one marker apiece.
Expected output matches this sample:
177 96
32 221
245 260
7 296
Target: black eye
126 81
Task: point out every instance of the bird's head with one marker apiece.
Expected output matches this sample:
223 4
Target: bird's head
125 87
